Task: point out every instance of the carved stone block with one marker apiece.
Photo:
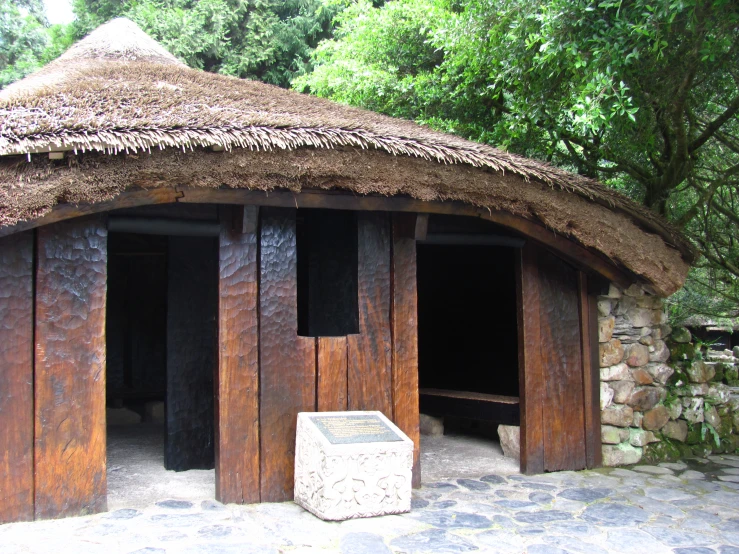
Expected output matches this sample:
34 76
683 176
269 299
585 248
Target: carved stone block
352 464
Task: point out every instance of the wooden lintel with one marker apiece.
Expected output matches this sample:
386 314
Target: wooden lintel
579 256
130 199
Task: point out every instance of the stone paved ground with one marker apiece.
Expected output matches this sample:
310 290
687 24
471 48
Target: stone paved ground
683 508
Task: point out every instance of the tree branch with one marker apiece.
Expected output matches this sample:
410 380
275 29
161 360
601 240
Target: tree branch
715 125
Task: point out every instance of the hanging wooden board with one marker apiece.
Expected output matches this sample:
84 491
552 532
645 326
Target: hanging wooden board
331 366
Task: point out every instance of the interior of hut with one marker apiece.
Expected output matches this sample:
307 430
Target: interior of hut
162 334
161 352
468 336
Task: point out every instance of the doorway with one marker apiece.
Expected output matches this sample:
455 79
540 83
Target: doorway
162 356
468 341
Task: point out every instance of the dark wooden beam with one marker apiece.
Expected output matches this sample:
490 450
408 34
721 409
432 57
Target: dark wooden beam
237 378
531 372
591 368
576 254
131 199
287 372
192 304
16 378
405 334
69 455
370 352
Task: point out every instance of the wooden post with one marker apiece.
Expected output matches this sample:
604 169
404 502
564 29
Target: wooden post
531 372
69 455
191 353
405 334
551 361
591 370
237 378
287 372
16 378
370 352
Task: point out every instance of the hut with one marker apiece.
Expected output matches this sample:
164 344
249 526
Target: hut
247 253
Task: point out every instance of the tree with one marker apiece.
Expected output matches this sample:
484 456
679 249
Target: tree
269 40
23 38
641 94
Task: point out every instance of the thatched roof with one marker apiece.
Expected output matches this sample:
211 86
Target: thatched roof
118 91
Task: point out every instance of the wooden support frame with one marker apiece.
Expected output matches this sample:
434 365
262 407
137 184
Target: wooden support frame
69 449
560 418
579 256
404 318
287 362
237 376
16 378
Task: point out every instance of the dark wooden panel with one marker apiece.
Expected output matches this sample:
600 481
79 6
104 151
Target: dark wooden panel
331 366
561 351
405 334
69 455
192 301
370 379
287 370
531 371
16 378
591 370
237 378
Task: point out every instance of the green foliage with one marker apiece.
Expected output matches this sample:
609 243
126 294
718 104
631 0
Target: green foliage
23 38
707 428
270 40
642 95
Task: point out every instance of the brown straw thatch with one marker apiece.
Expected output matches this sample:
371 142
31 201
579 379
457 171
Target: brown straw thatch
118 91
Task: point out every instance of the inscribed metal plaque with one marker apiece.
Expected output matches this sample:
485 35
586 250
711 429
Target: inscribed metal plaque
353 429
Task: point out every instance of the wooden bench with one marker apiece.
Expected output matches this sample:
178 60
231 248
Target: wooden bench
471 405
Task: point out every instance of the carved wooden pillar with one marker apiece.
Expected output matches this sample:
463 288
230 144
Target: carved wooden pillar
16 378
70 368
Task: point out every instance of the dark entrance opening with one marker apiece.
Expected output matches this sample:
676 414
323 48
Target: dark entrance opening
467 319
468 328
161 345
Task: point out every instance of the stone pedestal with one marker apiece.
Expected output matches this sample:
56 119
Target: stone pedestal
352 464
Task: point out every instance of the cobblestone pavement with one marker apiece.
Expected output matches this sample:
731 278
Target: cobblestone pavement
685 508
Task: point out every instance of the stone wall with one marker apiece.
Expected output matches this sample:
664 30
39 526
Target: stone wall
656 405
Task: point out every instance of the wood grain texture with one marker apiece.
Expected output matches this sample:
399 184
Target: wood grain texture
191 353
370 352
16 378
331 389
564 439
287 373
336 200
531 371
405 334
591 370
237 379
69 456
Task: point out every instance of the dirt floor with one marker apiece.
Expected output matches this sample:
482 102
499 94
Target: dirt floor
137 478
136 474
